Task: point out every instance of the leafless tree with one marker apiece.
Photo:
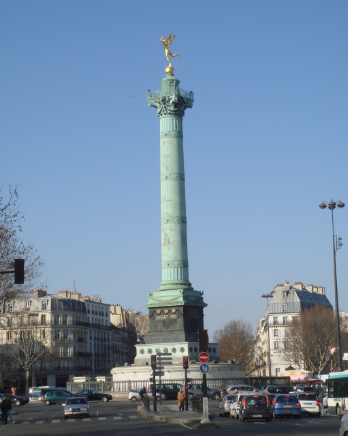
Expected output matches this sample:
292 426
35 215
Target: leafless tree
308 338
237 342
26 341
12 247
143 324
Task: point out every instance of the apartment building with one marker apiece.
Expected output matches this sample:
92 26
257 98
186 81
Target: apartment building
286 301
75 329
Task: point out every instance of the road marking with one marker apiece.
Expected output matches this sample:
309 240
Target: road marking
102 418
54 421
133 417
25 422
186 426
263 423
40 422
117 417
86 419
71 420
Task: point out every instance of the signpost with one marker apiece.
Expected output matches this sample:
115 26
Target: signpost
203 357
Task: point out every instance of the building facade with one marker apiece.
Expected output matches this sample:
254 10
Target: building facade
285 303
75 331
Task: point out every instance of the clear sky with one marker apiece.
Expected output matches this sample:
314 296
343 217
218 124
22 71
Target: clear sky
265 143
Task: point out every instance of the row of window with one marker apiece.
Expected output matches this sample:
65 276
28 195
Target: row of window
276 321
276 345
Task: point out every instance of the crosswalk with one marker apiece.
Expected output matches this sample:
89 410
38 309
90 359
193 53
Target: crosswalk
71 420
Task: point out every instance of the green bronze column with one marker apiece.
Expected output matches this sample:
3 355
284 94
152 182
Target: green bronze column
175 309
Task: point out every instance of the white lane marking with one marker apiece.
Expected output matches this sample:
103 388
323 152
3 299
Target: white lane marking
71 420
54 421
86 419
40 422
263 423
102 418
25 422
133 417
117 417
186 426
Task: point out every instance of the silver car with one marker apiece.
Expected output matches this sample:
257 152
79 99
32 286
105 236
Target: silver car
226 403
235 406
344 426
77 406
135 396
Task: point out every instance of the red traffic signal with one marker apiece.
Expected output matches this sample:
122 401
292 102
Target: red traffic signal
185 363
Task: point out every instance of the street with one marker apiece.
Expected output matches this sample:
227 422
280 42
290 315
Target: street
123 417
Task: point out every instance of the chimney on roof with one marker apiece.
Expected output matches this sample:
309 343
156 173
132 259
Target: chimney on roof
38 293
309 288
299 286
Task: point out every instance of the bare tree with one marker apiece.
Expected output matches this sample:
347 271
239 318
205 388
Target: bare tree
12 247
237 342
309 336
143 324
27 342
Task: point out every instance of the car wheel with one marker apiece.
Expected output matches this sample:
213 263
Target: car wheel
133 399
104 399
231 415
17 403
47 403
65 417
87 415
215 396
299 417
241 418
219 413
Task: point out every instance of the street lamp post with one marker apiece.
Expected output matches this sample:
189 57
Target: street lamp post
268 342
336 244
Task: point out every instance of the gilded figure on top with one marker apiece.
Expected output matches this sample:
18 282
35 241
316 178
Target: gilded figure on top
166 43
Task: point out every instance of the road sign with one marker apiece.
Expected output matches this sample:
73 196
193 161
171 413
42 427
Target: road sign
204 368
203 357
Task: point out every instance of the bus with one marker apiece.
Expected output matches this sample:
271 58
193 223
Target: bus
337 398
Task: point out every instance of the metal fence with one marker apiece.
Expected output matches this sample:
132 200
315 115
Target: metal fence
219 383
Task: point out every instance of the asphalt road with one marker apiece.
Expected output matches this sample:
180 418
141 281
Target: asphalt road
123 417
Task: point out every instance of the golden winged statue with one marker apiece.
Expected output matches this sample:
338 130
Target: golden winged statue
166 43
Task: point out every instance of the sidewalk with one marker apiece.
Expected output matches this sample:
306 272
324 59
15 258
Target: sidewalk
171 414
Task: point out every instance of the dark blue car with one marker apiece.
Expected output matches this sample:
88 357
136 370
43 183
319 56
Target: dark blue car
286 405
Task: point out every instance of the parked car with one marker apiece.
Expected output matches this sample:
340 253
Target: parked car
286 405
57 397
309 404
170 390
325 399
17 400
77 406
271 389
241 388
235 406
255 407
135 396
286 389
93 395
194 389
225 404
344 425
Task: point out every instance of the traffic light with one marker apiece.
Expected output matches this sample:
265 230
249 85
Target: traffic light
153 361
203 340
185 362
19 271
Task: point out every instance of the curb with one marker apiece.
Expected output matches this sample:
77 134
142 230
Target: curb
159 418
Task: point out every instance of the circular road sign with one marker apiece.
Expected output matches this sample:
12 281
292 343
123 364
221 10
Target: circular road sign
204 368
203 357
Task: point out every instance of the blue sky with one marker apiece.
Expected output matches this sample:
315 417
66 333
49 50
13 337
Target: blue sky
265 143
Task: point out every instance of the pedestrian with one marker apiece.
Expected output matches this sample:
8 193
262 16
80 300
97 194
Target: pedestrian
9 411
4 410
223 394
142 392
181 399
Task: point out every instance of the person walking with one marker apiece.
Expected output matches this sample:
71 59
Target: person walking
142 392
181 399
9 410
4 411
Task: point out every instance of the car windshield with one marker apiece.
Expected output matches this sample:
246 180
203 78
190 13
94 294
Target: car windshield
232 398
256 400
286 399
308 397
77 401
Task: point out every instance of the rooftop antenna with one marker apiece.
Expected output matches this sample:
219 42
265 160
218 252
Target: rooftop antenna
74 286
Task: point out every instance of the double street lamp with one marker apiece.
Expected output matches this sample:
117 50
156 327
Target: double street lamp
336 245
